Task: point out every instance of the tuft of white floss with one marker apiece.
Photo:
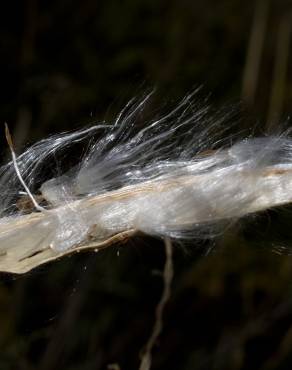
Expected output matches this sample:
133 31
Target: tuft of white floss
172 176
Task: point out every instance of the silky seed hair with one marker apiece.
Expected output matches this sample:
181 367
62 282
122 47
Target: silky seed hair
181 175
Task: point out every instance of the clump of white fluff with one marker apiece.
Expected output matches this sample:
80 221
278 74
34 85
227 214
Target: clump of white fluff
171 176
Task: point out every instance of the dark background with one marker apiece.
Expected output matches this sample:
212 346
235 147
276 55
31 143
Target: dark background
64 64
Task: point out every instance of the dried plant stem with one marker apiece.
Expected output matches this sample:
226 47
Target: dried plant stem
158 325
18 257
277 97
17 171
255 50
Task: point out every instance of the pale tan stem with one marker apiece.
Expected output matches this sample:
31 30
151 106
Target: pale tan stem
18 257
166 293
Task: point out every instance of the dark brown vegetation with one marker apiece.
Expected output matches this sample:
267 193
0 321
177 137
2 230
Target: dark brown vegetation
68 63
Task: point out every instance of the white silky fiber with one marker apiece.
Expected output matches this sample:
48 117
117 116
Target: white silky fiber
179 175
